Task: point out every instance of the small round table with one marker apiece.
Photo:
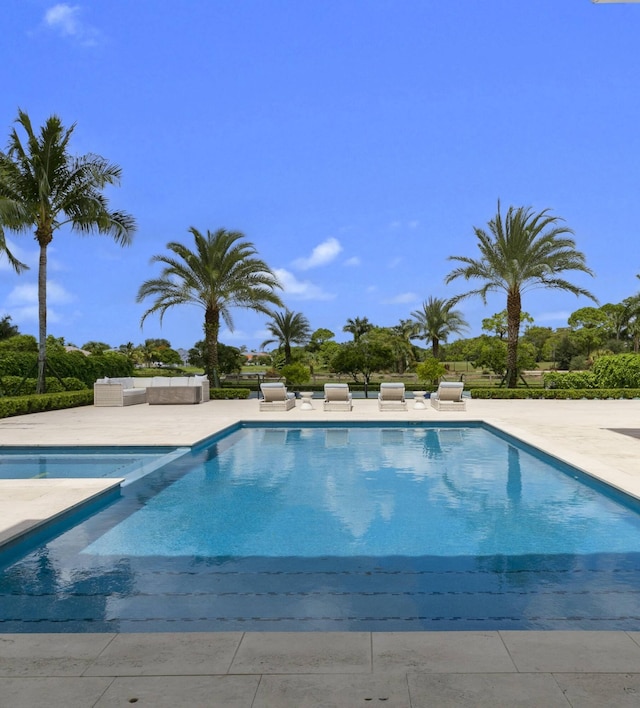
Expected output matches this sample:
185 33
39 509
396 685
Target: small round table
419 401
306 397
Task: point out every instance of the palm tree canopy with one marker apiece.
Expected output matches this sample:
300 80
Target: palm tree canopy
521 252
357 327
220 273
53 188
288 328
437 319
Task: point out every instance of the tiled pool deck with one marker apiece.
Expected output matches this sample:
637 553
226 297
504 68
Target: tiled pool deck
415 669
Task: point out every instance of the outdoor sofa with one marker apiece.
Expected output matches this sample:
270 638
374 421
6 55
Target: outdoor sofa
131 390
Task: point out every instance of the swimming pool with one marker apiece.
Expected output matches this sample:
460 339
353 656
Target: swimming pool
128 462
333 527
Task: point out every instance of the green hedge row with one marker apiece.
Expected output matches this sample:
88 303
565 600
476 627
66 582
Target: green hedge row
20 405
612 372
554 393
219 394
68 365
570 379
19 386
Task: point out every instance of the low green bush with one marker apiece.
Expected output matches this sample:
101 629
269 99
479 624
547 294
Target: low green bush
66 365
554 393
618 371
220 394
20 405
572 379
19 386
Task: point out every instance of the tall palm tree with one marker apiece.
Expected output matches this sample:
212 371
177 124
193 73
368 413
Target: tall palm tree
357 327
288 328
55 189
524 251
220 273
437 320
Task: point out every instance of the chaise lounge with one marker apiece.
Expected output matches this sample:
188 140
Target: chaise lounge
337 397
448 397
391 397
275 397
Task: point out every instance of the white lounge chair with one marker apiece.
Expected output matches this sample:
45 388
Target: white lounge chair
337 397
275 397
391 397
448 397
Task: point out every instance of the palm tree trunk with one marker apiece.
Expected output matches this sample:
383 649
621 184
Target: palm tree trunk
42 319
514 309
435 346
211 331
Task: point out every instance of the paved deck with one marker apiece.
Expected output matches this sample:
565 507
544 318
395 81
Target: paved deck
414 669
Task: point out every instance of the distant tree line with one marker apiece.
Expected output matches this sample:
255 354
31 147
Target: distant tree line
43 187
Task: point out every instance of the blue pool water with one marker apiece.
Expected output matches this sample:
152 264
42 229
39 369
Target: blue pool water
73 462
405 527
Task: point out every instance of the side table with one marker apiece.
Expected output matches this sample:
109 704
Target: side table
419 401
306 397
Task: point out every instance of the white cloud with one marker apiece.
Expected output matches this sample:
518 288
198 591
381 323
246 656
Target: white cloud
22 303
300 289
401 299
23 294
25 313
65 19
26 294
321 255
353 261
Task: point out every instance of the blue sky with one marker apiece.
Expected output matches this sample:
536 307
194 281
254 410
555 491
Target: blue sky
355 143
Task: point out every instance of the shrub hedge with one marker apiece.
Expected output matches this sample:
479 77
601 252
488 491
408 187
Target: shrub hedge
571 379
618 371
613 371
67 365
19 386
219 394
20 405
554 393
